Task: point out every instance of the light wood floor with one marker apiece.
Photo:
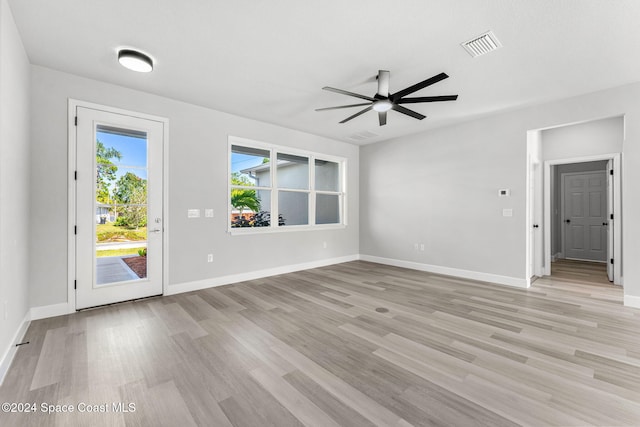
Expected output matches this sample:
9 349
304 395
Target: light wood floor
580 271
355 344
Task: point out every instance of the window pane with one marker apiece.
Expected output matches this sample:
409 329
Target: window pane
293 172
327 209
250 208
250 166
327 176
294 208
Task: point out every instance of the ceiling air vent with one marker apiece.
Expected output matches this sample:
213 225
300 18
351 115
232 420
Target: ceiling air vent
361 136
482 44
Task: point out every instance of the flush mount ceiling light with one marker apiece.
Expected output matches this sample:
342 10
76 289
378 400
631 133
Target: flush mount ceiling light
134 60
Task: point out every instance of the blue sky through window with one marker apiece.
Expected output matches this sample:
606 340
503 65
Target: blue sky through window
243 161
133 150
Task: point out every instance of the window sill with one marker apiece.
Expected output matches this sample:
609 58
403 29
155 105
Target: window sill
284 229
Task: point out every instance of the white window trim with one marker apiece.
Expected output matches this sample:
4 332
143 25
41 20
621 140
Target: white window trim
312 156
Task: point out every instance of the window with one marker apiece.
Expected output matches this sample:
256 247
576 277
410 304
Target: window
300 189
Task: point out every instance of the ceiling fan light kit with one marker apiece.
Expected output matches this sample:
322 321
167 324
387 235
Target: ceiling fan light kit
382 106
384 101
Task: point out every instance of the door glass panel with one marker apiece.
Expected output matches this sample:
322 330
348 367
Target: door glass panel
120 205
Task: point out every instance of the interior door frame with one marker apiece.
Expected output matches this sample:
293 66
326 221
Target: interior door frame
534 256
71 191
616 223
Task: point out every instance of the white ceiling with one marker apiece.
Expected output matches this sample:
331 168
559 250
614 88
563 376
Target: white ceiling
268 60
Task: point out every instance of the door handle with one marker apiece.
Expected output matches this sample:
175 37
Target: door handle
605 223
567 221
155 230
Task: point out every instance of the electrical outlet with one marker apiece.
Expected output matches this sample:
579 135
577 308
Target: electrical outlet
208 213
415 246
422 246
210 258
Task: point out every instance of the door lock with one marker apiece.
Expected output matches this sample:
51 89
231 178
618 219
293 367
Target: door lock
535 226
567 221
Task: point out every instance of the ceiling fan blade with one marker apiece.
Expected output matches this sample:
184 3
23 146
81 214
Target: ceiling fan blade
382 117
357 114
383 83
416 87
411 113
427 99
343 106
344 92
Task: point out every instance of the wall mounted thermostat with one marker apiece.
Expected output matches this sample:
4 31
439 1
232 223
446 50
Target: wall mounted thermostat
504 192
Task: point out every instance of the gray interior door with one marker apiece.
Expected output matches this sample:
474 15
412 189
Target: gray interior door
585 209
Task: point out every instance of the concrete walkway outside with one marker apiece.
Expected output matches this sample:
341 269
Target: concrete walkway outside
112 269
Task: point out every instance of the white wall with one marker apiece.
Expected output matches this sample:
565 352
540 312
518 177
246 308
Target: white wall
14 185
198 176
592 138
441 188
450 177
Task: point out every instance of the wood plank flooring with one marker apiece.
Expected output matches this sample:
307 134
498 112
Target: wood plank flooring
580 271
354 344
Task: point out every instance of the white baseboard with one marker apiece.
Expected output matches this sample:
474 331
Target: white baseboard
632 301
252 275
10 352
466 274
53 310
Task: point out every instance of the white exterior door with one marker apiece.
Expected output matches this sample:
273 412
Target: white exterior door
119 221
585 208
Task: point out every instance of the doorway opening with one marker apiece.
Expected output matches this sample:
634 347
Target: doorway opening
585 233
581 232
582 209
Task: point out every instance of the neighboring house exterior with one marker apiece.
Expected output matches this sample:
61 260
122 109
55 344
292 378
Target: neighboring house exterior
102 213
293 174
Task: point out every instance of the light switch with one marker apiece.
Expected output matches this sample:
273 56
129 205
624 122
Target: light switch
507 212
193 213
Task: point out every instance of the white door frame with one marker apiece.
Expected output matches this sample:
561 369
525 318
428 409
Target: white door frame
533 239
71 193
616 223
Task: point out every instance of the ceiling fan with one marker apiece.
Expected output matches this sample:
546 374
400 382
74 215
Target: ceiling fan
384 101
